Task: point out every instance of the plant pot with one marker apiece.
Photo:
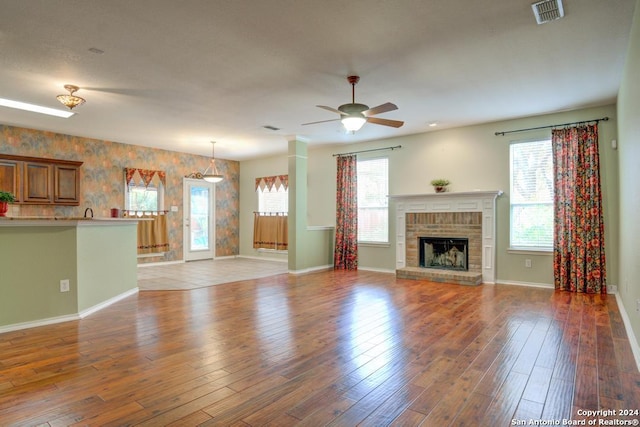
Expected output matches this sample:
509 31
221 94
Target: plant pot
4 207
440 188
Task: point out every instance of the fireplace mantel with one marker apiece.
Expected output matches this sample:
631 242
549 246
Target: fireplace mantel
472 201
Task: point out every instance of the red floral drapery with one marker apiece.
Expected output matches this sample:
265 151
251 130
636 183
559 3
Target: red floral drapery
145 175
345 256
271 182
578 254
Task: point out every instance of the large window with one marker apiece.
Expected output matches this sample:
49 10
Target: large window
373 203
531 195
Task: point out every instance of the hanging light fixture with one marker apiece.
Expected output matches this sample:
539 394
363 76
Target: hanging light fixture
70 100
211 174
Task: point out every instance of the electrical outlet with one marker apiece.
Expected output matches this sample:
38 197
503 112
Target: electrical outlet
64 285
527 263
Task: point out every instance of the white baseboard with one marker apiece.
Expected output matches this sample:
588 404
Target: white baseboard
104 304
152 264
68 317
377 270
635 349
40 322
263 258
312 269
529 284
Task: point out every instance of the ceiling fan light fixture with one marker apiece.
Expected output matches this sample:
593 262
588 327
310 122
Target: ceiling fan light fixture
211 173
353 123
70 101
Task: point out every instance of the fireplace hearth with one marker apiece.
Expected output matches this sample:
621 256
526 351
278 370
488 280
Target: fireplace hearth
448 253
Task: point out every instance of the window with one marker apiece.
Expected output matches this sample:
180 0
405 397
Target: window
276 200
144 190
531 166
373 203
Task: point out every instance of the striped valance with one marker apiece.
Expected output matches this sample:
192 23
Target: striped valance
268 183
146 176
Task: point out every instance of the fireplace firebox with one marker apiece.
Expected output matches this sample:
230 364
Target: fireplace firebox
444 253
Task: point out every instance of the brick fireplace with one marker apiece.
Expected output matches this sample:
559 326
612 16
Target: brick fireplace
469 215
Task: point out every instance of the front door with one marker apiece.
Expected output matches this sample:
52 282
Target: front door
199 219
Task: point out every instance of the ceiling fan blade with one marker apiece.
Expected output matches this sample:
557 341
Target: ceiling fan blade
333 110
385 122
321 121
380 109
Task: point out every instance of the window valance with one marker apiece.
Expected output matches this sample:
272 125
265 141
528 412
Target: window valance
268 183
147 176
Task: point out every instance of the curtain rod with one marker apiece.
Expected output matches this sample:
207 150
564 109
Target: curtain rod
604 119
366 151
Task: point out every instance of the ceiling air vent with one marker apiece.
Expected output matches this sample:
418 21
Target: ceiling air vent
547 10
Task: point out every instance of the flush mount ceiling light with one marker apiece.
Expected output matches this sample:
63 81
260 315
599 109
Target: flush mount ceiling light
211 174
71 100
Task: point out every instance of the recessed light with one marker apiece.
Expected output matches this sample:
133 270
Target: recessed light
433 124
35 108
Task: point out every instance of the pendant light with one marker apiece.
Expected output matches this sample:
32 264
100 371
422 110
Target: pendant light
211 173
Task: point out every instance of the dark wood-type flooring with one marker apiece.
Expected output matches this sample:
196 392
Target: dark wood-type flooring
329 348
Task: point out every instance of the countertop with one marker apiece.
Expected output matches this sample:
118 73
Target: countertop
66 220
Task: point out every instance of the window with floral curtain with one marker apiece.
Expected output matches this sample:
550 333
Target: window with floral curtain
270 223
346 249
144 198
578 256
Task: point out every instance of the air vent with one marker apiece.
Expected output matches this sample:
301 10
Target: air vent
271 127
547 10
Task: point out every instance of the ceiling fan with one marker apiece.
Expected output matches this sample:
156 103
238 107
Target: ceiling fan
354 115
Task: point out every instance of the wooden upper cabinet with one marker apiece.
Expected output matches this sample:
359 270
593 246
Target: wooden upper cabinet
41 181
37 182
10 174
66 181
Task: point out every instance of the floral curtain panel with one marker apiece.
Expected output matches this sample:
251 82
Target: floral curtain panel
345 256
271 182
578 255
146 176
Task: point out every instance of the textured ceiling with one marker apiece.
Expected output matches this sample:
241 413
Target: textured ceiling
178 74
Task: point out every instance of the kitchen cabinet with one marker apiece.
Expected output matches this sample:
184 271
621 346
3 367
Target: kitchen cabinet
41 181
10 174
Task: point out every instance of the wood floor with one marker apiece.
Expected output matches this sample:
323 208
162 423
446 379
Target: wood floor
330 348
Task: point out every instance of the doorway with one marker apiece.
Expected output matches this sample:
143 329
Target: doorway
199 219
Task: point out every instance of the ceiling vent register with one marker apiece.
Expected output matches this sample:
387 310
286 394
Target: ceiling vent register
547 10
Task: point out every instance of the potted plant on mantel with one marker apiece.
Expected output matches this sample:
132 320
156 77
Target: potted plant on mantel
5 199
440 185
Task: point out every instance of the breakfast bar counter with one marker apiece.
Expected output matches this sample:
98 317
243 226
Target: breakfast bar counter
55 269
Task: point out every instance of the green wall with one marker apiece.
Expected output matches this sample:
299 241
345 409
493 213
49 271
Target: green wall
629 151
33 260
99 250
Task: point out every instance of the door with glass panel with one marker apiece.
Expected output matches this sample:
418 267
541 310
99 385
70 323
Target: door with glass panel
199 219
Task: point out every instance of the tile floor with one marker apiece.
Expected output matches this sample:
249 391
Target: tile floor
199 274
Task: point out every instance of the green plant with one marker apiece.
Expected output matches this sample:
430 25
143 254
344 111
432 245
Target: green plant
7 197
439 182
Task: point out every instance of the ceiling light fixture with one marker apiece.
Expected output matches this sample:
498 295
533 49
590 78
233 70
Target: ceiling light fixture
212 176
35 108
353 122
70 100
